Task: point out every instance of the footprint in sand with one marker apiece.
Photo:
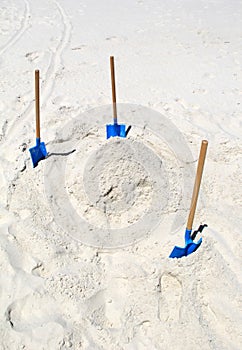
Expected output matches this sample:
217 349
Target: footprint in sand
36 315
107 306
170 300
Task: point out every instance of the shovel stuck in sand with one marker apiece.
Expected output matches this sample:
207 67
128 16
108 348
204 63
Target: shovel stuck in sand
114 129
37 152
190 245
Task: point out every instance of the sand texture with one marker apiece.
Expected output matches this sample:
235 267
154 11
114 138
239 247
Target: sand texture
85 236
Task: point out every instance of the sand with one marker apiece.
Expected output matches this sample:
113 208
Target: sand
85 236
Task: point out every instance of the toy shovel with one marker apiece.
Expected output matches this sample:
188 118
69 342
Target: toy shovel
190 245
114 129
37 152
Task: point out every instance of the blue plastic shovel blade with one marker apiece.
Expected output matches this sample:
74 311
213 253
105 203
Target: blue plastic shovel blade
190 246
38 152
114 130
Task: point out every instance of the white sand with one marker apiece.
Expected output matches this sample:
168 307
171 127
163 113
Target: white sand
85 237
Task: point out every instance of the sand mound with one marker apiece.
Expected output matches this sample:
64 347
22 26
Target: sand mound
85 237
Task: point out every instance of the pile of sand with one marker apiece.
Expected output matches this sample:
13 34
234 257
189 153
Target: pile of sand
85 237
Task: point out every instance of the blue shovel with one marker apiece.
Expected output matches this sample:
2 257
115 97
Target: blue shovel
114 129
37 152
190 245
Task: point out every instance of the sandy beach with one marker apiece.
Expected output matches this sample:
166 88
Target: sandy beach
85 236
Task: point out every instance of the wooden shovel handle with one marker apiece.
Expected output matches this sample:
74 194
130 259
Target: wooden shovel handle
197 183
37 108
115 119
